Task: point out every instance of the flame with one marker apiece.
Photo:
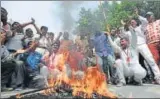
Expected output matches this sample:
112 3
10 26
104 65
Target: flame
87 81
18 96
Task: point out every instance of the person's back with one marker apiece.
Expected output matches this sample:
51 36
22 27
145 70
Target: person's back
100 43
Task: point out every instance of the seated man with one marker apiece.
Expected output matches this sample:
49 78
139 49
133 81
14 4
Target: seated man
10 67
34 67
130 66
28 37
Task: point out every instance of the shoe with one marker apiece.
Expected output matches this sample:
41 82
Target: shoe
157 81
120 84
140 83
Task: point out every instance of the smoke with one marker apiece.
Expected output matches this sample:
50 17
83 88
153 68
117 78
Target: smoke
66 10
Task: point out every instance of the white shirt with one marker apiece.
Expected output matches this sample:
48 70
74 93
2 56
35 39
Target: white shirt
141 38
43 41
15 42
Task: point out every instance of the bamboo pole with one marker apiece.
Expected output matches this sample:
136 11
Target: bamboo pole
104 14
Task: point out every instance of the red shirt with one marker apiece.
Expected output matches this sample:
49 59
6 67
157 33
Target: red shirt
153 32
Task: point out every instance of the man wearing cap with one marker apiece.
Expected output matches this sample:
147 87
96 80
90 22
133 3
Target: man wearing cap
153 36
142 47
129 57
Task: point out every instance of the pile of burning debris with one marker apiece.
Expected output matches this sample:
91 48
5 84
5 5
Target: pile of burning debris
90 83
62 91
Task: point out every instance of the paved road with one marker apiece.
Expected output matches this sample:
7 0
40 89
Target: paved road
145 91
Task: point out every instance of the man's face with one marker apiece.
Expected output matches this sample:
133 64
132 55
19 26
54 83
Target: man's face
133 23
29 33
44 31
149 18
52 36
56 47
123 43
113 32
18 27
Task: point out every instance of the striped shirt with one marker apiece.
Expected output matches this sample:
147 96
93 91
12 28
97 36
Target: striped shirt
153 32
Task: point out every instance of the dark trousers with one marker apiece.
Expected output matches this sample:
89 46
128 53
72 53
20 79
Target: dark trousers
150 75
7 69
105 66
13 73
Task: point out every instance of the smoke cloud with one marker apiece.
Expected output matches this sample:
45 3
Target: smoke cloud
65 14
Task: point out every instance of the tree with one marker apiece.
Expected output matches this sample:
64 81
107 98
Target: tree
90 21
87 22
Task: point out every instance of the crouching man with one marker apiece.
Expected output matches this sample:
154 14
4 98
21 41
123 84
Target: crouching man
128 65
12 71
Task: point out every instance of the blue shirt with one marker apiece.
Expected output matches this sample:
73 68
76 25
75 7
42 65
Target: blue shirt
102 46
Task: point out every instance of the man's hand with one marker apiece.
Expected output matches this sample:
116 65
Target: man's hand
33 20
136 11
108 28
20 51
122 22
107 33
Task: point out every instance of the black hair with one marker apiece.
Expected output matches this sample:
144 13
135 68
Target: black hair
28 29
29 43
14 23
4 10
51 33
126 27
44 27
137 20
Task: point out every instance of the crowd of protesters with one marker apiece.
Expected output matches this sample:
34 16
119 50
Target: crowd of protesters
127 55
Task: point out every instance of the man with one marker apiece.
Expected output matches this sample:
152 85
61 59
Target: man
51 38
15 42
10 67
42 40
34 67
103 50
130 65
66 49
4 24
153 36
66 43
142 47
28 36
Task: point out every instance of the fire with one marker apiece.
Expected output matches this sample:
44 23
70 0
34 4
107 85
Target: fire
18 96
88 82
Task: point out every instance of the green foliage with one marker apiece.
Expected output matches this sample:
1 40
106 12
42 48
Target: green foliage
90 21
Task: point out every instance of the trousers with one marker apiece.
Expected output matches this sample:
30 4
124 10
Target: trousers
136 71
13 72
146 53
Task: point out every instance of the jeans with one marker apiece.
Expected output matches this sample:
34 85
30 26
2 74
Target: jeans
108 62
